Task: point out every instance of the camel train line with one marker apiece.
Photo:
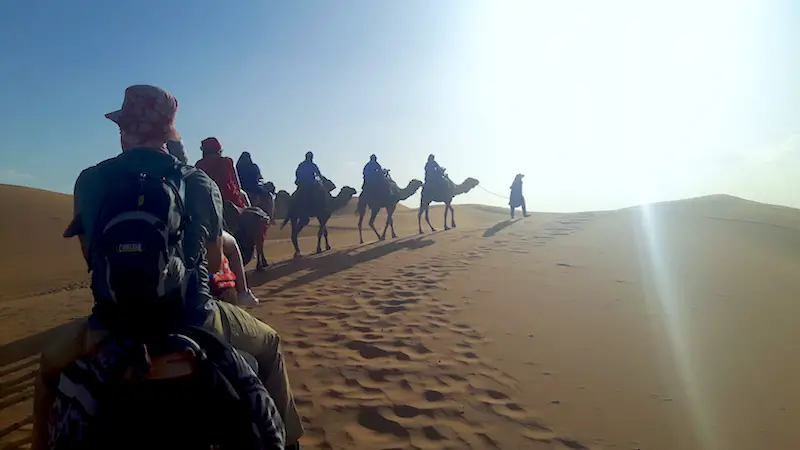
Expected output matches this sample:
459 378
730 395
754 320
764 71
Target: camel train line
252 205
315 200
168 281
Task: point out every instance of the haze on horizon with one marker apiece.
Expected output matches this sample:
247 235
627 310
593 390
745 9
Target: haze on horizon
599 105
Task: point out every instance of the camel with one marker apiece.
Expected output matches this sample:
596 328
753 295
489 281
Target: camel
442 192
386 199
248 226
300 215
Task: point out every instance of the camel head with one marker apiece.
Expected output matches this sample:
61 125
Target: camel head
347 192
342 199
466 186
411 189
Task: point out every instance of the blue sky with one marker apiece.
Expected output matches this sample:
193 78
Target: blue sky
601 106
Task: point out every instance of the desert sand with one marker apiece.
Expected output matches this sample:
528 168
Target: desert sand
672 326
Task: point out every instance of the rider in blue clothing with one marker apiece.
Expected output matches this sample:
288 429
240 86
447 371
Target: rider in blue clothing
307 172
433 171
372 170
249 174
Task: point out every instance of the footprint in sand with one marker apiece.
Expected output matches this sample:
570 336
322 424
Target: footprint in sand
466 357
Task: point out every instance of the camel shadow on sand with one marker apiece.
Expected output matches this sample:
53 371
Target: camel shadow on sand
29 346
18 366
498 227
321 266
329 263
18 359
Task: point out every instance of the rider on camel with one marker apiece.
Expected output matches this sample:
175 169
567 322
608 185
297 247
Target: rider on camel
307 172
308 179
250 176
222 171
372 171
231 273
433 171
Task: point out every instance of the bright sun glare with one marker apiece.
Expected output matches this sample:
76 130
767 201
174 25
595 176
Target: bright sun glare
624 96
618 94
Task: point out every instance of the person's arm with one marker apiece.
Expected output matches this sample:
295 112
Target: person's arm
214 225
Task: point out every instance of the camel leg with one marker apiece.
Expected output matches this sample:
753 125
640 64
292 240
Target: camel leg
319 237
389 221
295 232
323 231
360 221
446 209
373 215
261 260
298 225
452 215
419 218
428 218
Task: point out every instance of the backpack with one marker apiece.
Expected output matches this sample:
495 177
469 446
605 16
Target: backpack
122 397
137 248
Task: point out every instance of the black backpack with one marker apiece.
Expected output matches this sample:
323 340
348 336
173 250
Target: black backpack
137 248
124 396
155 382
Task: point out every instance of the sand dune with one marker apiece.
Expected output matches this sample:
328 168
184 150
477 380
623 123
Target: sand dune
662 327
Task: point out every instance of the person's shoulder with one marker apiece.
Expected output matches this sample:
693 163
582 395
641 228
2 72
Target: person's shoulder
196 176
200 188
95 173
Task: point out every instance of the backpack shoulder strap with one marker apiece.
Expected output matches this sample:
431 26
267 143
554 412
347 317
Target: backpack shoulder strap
176 176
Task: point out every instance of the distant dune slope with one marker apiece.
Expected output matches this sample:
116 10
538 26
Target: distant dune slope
35 257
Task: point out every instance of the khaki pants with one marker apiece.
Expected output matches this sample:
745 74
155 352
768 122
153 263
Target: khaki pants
238 327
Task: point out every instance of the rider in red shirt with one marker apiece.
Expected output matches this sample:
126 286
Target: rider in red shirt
222 170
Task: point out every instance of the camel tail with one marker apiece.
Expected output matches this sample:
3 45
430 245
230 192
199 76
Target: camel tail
285 221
